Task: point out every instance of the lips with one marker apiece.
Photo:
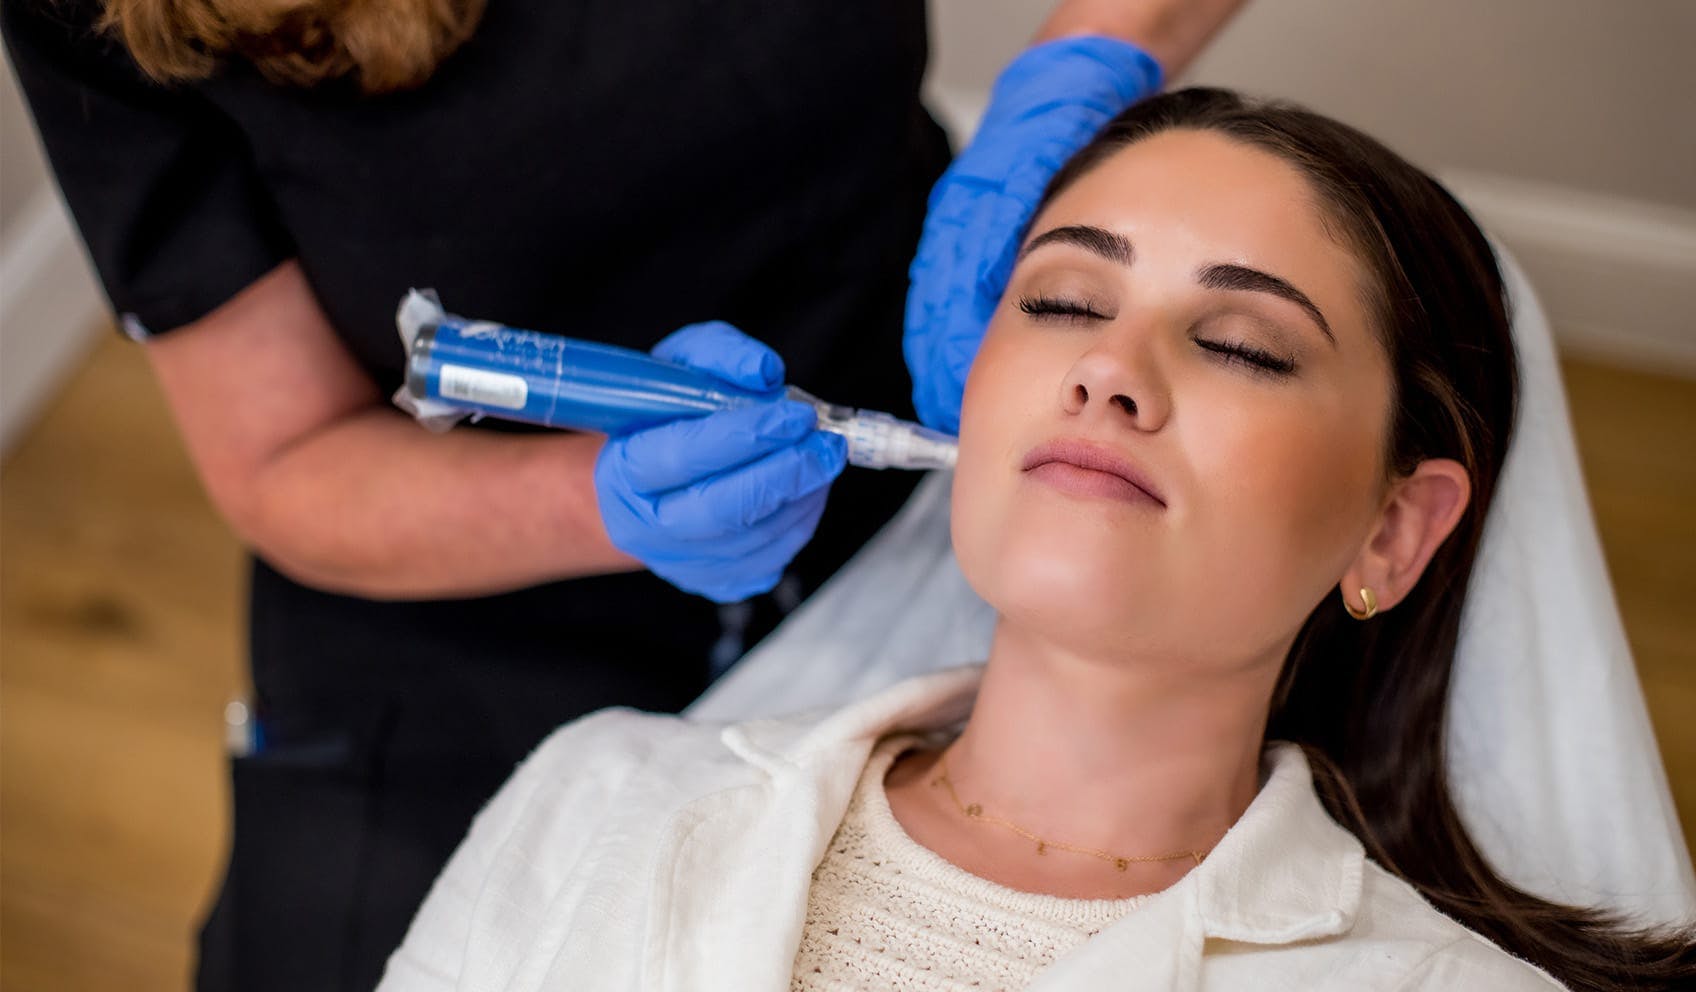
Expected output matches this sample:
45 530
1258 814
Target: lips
1090 469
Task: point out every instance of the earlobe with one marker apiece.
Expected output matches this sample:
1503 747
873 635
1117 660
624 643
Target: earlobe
1420 512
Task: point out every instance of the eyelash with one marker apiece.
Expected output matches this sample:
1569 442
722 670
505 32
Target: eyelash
1052 307
1230 352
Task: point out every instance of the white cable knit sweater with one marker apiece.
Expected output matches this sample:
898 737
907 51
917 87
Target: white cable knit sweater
884 912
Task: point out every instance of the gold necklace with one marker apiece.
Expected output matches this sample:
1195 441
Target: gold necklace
975 811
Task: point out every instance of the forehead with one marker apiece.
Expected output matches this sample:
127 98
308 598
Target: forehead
1195 197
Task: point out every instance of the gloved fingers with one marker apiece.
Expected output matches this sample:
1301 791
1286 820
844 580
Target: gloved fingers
724 351
941 252
939 403
745 498
958 281
994 230
938 400
734 548
720 505
682 452
1096 71
724 569
759 568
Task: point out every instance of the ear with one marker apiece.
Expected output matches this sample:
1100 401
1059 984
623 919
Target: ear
1420 511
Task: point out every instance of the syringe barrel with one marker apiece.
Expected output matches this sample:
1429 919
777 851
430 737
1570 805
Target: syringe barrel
879 440
513 374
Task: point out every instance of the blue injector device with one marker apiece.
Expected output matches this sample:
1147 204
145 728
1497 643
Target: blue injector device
458 368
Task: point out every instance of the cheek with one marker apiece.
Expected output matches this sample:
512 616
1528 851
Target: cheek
1011 403
989 412
1285 494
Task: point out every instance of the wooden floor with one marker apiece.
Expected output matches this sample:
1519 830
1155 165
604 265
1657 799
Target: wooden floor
120 642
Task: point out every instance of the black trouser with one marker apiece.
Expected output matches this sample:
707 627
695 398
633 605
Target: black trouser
388 725
333 851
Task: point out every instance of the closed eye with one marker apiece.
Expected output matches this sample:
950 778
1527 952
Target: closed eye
1057 308
1256 359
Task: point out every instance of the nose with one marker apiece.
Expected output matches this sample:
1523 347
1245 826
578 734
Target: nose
1117 381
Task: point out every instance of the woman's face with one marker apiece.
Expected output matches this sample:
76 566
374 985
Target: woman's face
1182 317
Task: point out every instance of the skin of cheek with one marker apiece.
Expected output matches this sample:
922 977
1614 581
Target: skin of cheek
1273 488
1286 489
979 516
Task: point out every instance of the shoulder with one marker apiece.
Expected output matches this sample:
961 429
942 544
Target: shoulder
1471 962
615 751
599 790
616 772
74 18
574 830
1437 951
66 32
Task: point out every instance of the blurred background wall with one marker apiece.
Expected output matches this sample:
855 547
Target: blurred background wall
50 305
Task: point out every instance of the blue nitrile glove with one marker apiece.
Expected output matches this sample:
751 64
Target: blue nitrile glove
1048 103
719 505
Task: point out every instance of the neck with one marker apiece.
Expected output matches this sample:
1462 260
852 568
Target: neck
1107 753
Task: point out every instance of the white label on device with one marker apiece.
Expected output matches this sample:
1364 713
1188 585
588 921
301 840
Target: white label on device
483 388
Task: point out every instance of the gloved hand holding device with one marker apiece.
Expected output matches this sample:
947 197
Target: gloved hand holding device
719 505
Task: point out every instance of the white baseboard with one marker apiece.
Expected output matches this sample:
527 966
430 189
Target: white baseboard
1617 276
51 311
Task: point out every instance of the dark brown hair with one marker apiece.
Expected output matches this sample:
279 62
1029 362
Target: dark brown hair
1368 701
379 45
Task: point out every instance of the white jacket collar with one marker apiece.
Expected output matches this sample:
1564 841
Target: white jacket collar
788 745
1285 872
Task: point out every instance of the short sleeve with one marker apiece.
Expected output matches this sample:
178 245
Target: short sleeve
161 183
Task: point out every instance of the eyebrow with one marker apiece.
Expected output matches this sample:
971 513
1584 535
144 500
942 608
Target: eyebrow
1244 279
1222 275
1111 246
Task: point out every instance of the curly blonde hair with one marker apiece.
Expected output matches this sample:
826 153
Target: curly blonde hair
381 45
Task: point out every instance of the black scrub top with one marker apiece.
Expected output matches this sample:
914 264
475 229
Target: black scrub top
610 171
605 170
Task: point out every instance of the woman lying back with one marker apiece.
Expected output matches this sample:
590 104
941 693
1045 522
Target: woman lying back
1226 454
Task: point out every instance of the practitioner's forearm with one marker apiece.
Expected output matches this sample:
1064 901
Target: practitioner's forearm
304 457
375 506
1172 31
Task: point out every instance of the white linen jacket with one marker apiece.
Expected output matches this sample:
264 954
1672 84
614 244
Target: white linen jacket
642 852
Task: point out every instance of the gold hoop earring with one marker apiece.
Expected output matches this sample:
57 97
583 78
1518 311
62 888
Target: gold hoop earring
1366 597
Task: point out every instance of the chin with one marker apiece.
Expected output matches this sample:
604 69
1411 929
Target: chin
1080 571
1087 594
1080 628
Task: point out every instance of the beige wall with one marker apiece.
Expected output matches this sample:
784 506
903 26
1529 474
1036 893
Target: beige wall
1590 94
50 306
22 171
